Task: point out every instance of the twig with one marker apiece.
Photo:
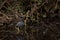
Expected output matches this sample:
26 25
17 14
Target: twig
3 4
35 8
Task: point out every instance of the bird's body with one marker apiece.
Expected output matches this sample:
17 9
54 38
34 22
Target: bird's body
20 24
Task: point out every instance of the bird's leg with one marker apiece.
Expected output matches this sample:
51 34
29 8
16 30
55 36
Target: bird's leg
18 30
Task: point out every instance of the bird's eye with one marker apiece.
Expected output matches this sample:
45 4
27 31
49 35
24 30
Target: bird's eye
28 17
21 17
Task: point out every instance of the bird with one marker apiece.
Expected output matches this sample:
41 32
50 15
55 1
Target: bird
20 25
21 22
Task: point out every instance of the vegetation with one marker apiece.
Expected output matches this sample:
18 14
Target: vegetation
40 19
